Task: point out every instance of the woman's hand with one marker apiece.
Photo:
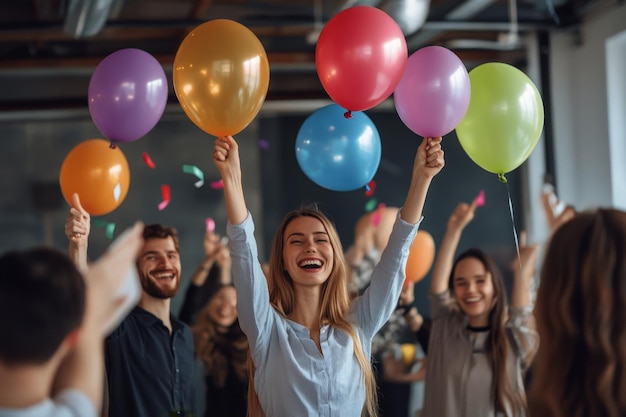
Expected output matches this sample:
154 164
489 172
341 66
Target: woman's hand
211 245
461 216
429 159
226 160
226 157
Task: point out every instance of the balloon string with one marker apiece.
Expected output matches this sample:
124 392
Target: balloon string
508 191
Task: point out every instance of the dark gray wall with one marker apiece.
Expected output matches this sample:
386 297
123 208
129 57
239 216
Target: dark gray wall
33 152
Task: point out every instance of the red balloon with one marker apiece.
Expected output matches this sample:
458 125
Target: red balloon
360 57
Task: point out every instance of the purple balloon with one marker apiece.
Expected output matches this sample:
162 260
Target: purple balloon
434 92
127 94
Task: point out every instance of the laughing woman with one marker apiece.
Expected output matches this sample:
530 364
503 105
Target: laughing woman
479 345
310 345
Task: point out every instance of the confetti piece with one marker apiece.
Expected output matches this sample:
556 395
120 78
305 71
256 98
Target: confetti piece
480 199
210 224
109 230
217 185
377 215
165 195
370 188
371 205
192 169
147 160
100 223
263 144
117 192
376 218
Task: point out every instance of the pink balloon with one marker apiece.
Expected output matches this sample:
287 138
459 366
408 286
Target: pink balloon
360 57
434 93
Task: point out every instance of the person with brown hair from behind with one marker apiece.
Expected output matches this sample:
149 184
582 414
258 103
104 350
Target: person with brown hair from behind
53 322
580 368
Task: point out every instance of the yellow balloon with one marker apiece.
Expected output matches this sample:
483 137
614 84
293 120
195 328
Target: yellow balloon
408 353
221 76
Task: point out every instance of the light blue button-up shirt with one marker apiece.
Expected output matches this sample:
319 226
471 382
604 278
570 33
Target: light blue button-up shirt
292 377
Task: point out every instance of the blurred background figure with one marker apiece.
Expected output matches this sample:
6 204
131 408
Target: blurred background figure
371 235
222 349
213 271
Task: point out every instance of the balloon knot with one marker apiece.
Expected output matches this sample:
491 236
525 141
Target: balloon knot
502 178
348 114
112 145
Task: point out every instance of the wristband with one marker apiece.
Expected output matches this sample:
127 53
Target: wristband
404 309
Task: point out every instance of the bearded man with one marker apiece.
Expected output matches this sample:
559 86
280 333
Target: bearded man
150 355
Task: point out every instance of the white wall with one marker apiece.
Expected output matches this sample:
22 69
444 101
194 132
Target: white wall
616 92
580 110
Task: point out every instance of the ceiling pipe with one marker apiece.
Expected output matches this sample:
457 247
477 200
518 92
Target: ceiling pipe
410 15
31 31
465 11
87 17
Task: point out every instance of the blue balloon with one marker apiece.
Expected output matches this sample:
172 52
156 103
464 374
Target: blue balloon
337 153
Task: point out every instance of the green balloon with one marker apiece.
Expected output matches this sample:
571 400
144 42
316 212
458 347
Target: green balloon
504 119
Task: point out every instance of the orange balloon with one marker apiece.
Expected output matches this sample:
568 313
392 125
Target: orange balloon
221 76
421 256
98 174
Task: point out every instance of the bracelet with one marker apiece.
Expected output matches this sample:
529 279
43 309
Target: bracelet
405 309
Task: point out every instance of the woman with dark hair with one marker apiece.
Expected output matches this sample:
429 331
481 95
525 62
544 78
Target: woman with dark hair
580 368
222 348
479 345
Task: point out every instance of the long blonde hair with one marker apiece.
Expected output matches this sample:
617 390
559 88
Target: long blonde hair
580 368
334 304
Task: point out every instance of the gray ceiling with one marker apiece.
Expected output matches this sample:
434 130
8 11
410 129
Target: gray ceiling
47 54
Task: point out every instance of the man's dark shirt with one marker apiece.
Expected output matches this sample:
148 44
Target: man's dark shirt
150 373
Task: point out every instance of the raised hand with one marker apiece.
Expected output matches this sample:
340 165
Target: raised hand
226 156
105 276
211 244
77 228
524 272
524 267
461 216
77 223
429 159
226 160
223 257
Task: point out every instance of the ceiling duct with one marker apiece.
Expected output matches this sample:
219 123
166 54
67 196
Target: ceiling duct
462 13
410 15
507 41
88 17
